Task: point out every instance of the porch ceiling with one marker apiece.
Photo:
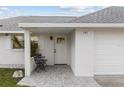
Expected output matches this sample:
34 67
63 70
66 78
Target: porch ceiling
50 29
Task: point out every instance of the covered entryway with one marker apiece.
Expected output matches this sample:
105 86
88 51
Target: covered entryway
53 43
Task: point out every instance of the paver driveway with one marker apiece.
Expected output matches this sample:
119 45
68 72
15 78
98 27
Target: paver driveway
58 76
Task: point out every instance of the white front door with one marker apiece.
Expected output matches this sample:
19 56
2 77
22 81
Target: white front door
60 50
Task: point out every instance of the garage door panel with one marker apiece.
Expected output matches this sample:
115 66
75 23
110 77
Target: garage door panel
109 52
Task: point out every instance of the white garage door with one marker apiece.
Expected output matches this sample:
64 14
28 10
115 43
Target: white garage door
109 52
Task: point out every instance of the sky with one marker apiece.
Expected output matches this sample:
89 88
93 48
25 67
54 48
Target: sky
12 11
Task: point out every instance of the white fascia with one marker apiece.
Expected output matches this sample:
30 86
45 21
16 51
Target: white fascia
12 32
113 25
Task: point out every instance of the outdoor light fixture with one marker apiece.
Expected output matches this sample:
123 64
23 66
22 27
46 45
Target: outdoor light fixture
85 32
6 34
51 37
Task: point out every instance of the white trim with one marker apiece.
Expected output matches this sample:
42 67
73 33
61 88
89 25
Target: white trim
18 50
4 32
12 43
114 25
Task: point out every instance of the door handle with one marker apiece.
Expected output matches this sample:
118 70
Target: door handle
54 50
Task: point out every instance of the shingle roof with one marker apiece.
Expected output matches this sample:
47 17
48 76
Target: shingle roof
11 24
108 15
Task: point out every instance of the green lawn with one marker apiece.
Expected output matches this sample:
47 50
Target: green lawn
6 79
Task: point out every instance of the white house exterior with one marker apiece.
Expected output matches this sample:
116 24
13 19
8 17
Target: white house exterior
91 45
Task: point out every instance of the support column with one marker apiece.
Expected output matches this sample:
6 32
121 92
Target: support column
27 53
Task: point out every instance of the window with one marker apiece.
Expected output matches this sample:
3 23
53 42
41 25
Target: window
34 45
60 40
18 41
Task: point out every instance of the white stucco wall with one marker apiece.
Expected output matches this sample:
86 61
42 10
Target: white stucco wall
9 56
46 47
97 51
84 52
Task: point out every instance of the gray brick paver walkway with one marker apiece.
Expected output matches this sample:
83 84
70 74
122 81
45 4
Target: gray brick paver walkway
58 76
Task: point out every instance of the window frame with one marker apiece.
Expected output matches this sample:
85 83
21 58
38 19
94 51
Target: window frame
12 47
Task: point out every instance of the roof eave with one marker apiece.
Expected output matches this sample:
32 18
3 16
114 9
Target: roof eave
75 25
